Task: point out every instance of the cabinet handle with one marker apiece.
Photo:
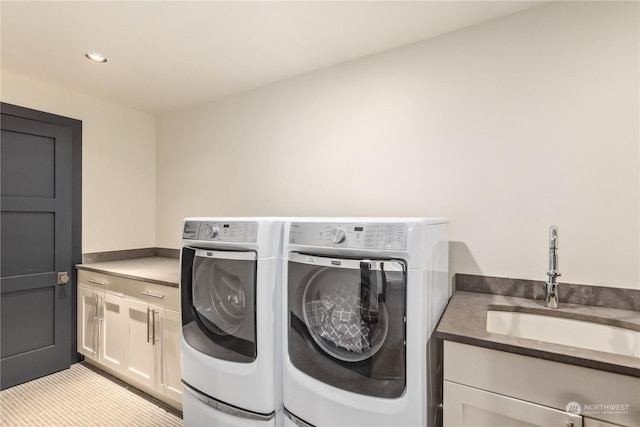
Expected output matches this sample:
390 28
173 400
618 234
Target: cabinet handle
98 282
99 323
96 331
153 336
151 294
148 323
95 307
98 308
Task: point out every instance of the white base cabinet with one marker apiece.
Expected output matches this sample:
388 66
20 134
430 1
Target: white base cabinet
140 351
112 330
152 338
131 329
87 322
101 318
472 407
484 387
170 372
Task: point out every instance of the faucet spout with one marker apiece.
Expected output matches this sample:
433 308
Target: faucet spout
551 286
553 249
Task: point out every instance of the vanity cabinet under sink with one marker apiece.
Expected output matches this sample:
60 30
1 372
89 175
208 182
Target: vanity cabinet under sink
486 387
473 407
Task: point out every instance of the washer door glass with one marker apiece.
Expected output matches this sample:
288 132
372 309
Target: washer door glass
347 322
219 296
218 303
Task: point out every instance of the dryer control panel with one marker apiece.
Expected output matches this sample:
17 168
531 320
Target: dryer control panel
350 235
215 231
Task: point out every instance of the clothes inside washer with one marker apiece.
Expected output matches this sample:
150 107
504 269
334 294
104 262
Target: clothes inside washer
337 317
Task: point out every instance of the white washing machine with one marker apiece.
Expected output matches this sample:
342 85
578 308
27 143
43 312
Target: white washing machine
361 298
229 346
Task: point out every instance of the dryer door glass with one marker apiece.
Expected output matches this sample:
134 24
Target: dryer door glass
220 303
347 322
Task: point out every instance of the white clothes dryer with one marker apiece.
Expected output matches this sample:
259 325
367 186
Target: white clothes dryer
361 298
229 345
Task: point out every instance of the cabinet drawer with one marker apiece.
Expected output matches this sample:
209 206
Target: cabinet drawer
100 281
153 293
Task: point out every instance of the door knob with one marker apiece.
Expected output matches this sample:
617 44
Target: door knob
63 277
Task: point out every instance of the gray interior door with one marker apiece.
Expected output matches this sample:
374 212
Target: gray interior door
37 303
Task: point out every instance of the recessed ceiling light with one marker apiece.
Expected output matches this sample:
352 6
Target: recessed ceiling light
96 57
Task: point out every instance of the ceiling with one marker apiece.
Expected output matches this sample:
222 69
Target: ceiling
165 56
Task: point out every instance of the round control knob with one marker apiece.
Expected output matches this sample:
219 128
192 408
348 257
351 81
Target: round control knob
210 231
339 236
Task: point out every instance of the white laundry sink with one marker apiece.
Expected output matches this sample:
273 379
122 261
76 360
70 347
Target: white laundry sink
570 332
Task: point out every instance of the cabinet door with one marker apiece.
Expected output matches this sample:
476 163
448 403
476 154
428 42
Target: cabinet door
87 322
139 347
170 370
112 331
468 406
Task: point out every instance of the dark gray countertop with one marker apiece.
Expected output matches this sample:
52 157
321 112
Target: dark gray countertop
465 320
161 270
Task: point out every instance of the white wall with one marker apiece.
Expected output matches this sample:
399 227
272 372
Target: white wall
118 162
505 128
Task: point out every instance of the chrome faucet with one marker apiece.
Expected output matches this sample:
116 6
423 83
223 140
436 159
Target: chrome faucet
551 297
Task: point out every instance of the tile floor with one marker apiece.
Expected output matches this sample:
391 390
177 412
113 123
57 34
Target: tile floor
82 396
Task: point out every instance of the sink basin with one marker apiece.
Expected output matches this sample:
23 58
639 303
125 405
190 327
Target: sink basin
570 332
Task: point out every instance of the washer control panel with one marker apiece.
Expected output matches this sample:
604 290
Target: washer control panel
215 231
350 235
